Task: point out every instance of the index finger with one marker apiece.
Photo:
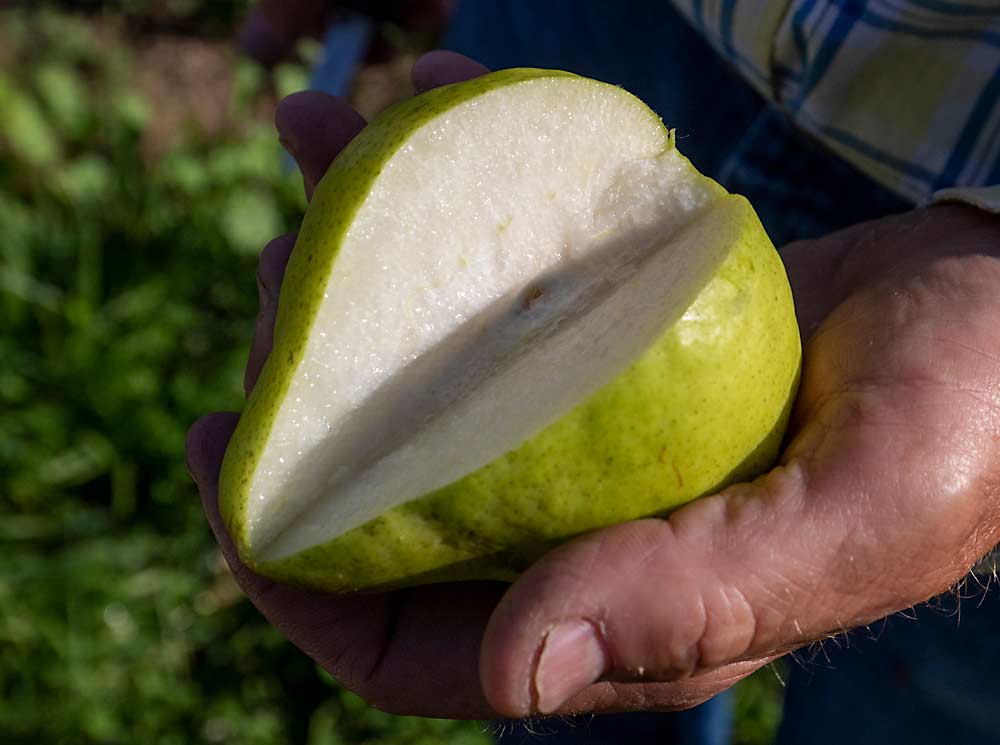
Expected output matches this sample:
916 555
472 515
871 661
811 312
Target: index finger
314 127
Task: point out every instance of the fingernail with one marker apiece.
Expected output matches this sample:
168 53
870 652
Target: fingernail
572 658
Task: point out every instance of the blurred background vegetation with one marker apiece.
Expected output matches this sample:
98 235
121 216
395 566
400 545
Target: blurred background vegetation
139 177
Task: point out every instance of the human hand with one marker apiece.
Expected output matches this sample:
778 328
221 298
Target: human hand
886 495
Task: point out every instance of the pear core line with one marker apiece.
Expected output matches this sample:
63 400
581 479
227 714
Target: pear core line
511 345
506 261
514 314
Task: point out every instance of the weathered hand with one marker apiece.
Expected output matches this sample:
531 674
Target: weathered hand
886 494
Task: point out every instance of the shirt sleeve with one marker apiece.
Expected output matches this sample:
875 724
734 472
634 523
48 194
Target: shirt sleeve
984 197
906 91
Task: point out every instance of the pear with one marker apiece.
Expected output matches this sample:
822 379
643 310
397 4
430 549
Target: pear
514 313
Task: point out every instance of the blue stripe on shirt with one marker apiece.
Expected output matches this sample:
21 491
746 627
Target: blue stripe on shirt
699 13
994 177
862 147
726 24
847 15
978 117
929 32
988 174
879 156
989 147
798 32
954 9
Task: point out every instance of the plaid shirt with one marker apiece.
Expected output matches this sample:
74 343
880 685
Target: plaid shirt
906 90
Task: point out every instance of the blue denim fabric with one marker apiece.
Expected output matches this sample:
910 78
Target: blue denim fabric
344 46
928 677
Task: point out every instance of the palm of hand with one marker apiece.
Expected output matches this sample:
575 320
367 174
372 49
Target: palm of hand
885 495
896 428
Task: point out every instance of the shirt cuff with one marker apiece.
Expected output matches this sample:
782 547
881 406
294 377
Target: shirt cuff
984 197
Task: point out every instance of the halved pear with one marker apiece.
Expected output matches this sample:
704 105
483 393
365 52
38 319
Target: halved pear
514 313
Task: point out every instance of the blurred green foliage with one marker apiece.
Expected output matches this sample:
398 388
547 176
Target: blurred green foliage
757 705
199 16
126 302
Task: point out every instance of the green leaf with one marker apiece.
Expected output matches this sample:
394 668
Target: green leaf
19 284
87 179
256 157
132 110
185 172
63 36
249 220
26 129
64 96
248 83
90 457
289 79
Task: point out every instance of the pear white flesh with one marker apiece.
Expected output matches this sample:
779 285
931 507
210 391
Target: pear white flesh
513 255
427 363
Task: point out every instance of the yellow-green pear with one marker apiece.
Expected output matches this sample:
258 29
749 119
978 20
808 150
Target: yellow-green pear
514 313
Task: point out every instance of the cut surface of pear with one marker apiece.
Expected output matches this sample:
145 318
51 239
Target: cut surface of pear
514 313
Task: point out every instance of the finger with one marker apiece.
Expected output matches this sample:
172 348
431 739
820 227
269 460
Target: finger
205 445
610 697
729 578
441 67
413 652
632 603
429 662
649 600
325 628
314 127
409 652
270 273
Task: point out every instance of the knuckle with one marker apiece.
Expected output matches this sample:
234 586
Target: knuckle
730 627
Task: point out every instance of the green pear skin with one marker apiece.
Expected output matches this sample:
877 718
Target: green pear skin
706 405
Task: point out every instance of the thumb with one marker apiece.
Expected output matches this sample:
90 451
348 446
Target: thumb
743 575
646 601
